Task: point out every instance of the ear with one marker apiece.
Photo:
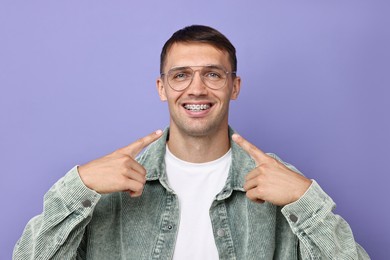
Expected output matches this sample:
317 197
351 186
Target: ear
161 89
236 88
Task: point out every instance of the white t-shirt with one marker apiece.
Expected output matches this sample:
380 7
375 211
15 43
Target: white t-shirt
196 185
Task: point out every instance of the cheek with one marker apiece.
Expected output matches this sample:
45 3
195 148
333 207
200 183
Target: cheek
172 98
227 96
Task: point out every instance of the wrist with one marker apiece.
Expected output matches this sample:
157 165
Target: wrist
303 188
83 174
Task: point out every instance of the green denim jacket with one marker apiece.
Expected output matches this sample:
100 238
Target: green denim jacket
78 223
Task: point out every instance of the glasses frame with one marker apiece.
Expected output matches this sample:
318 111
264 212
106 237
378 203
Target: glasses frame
200 75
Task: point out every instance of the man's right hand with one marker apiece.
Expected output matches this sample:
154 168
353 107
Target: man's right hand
118 171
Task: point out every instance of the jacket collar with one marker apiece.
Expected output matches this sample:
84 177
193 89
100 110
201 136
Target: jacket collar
153 161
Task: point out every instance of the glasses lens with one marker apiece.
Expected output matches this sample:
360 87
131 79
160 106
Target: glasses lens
180 78
214 77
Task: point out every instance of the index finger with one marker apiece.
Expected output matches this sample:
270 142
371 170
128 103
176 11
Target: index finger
258 155
136 147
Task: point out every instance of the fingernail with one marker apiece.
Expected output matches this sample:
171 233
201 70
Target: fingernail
159 131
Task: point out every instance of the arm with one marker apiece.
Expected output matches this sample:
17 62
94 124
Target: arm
308 210
322 234
57 232
69 204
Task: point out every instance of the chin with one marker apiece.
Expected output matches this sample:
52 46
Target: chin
199 130
199 127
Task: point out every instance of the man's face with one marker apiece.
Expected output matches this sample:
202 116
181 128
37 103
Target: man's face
214 114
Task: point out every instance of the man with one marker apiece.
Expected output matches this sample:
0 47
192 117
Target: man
199 191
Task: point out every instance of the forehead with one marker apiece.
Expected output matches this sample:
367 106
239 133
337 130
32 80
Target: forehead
196 54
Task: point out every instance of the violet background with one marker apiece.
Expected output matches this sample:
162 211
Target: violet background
77 81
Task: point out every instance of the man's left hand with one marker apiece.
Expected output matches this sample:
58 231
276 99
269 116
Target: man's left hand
271 180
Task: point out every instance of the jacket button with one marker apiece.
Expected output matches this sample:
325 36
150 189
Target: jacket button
86 203
169 227
221 232
293 218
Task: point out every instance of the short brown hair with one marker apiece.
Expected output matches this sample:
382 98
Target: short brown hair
202 34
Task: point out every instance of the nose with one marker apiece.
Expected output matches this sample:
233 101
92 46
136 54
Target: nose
197 86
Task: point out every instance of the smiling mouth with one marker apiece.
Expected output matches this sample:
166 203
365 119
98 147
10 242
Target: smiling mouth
197 107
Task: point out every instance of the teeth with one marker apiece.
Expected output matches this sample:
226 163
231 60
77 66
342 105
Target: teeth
197 107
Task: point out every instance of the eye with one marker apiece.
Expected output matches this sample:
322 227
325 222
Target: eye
213 75
180 75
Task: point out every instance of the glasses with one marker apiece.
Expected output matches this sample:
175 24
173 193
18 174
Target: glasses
180 78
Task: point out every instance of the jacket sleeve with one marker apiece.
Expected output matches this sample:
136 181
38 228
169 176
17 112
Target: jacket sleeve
321 233
58 231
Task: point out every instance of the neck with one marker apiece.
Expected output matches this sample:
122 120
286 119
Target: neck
199 149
